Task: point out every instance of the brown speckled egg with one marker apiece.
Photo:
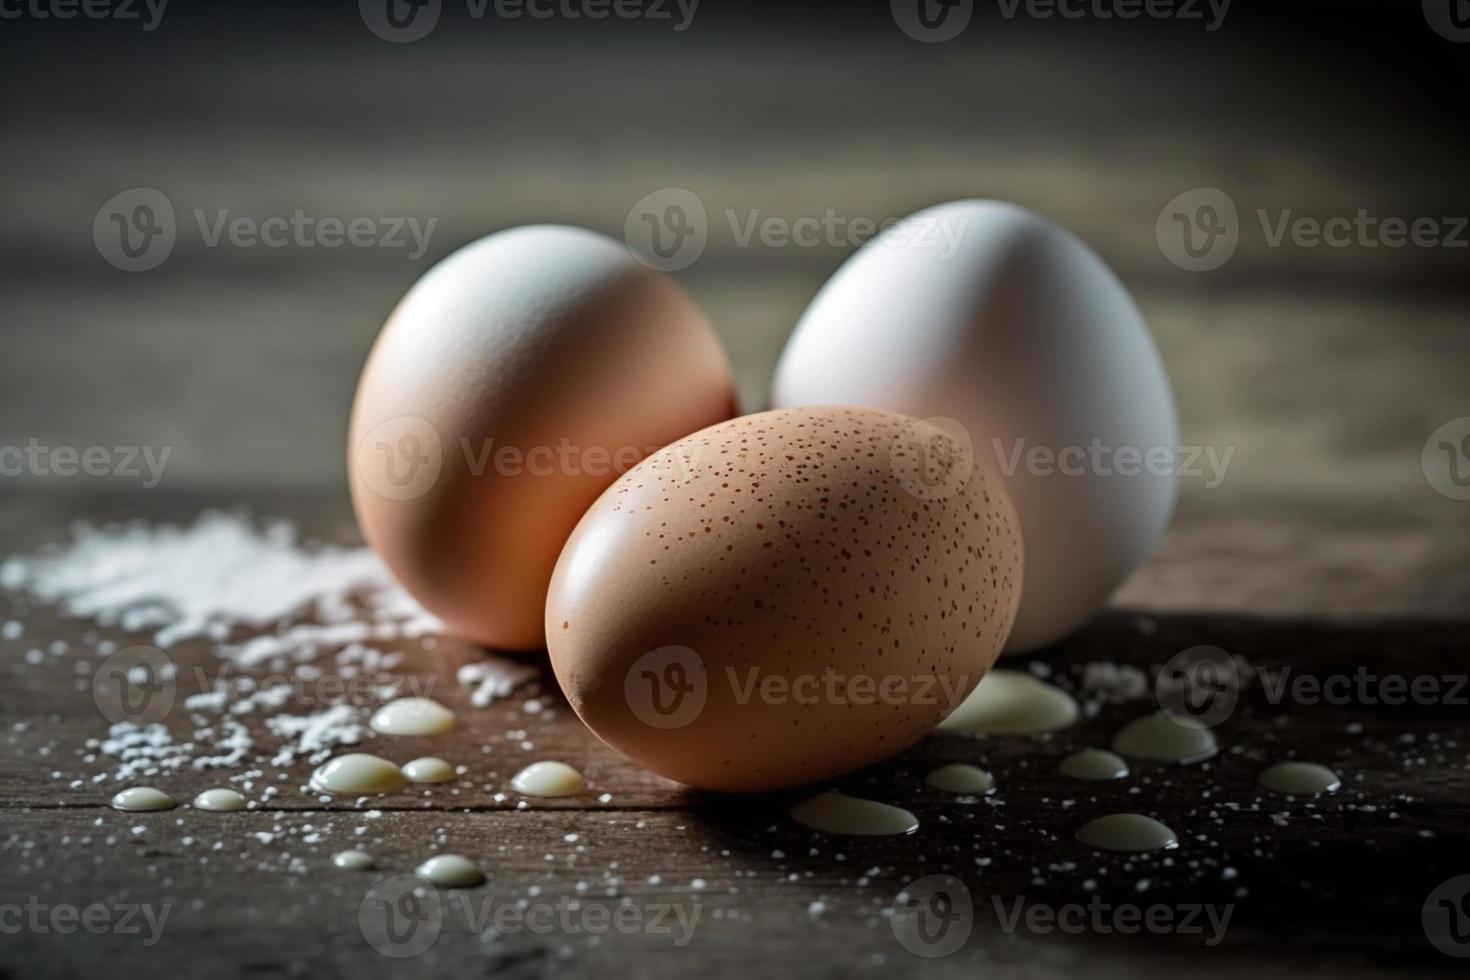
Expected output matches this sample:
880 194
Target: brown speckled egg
512 385
784 597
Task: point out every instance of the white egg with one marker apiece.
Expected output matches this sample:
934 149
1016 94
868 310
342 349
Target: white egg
994 318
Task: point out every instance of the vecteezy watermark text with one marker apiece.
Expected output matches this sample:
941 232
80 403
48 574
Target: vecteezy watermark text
670 228
136 230
668 687
225 687
1203 685
935 21
145 463
1200 229
934 916
936 462
833 230
402 917
403 457
64 919
402 21
835 687
1365 687
1211 13
1102 918
148 12
139 685
302 230
1098 459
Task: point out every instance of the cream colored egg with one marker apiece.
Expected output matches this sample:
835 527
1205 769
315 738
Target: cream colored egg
516 380
784 597
1011 333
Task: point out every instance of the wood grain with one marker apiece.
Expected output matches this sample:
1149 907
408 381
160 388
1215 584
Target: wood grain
1331 887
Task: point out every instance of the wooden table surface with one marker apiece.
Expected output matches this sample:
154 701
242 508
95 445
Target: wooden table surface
1331 887
1325 551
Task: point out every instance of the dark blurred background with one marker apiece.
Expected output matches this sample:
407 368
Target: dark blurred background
1325 367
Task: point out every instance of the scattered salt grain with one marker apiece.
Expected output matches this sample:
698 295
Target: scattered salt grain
494 678
222 572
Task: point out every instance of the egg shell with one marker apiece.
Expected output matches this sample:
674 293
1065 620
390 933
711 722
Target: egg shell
512 384
784 597
1011 329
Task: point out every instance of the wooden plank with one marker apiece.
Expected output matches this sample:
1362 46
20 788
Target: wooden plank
1330 887
250 908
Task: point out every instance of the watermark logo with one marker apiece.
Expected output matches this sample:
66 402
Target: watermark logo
933 458
668 229
38 917
401 458
1450 19
136 685
1446 917
833 230
833 687
401 917
302 230
1199 229
1364 688
143 463
1361 230
400 21
1209 12
566 916
1102 918
667 687
1199 685
933 916
148 12
1446 459
135 229
226 690
678 12
1097 459
932 21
